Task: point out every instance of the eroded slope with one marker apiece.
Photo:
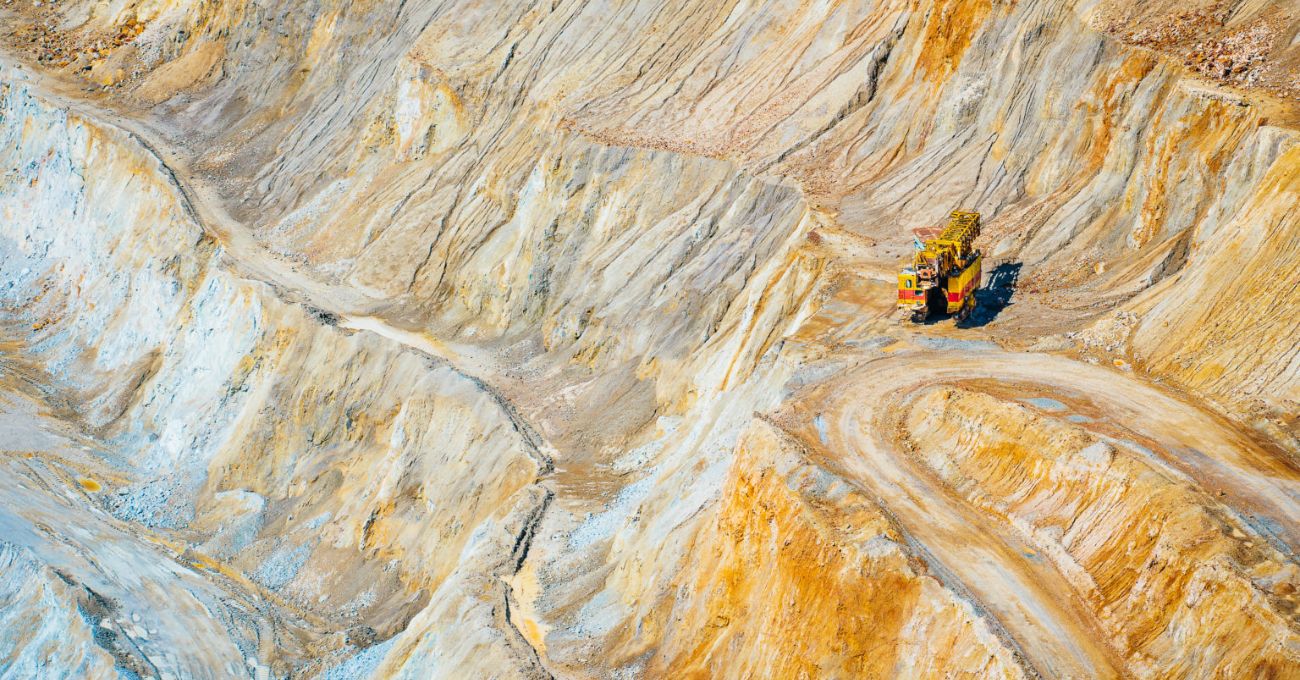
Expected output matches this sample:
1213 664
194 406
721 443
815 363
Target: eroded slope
441 332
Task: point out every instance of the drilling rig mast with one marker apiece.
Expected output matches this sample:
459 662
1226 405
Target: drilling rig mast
946 270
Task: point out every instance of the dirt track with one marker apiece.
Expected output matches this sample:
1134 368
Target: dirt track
854 420
856 417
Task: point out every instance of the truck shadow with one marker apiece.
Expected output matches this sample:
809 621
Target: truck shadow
995 295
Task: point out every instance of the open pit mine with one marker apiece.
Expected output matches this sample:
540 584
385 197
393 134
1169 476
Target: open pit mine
613 339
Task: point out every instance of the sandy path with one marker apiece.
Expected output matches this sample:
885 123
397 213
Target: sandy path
248 258
853 419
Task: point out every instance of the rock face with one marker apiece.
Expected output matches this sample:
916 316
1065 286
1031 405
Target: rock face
1099 512
461 339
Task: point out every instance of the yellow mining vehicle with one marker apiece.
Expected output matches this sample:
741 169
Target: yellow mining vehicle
945 270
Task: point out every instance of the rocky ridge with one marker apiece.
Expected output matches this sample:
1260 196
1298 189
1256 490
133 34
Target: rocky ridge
553 339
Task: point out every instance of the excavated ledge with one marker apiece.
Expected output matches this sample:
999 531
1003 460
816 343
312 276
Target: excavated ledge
222 353
1165 567
555 340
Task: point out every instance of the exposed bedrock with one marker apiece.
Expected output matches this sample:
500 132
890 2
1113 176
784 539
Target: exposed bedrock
338 475
1167 567
465 339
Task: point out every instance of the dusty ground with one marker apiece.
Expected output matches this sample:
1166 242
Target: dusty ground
510 340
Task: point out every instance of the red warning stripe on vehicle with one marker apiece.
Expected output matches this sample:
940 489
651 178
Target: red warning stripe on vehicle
956 297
